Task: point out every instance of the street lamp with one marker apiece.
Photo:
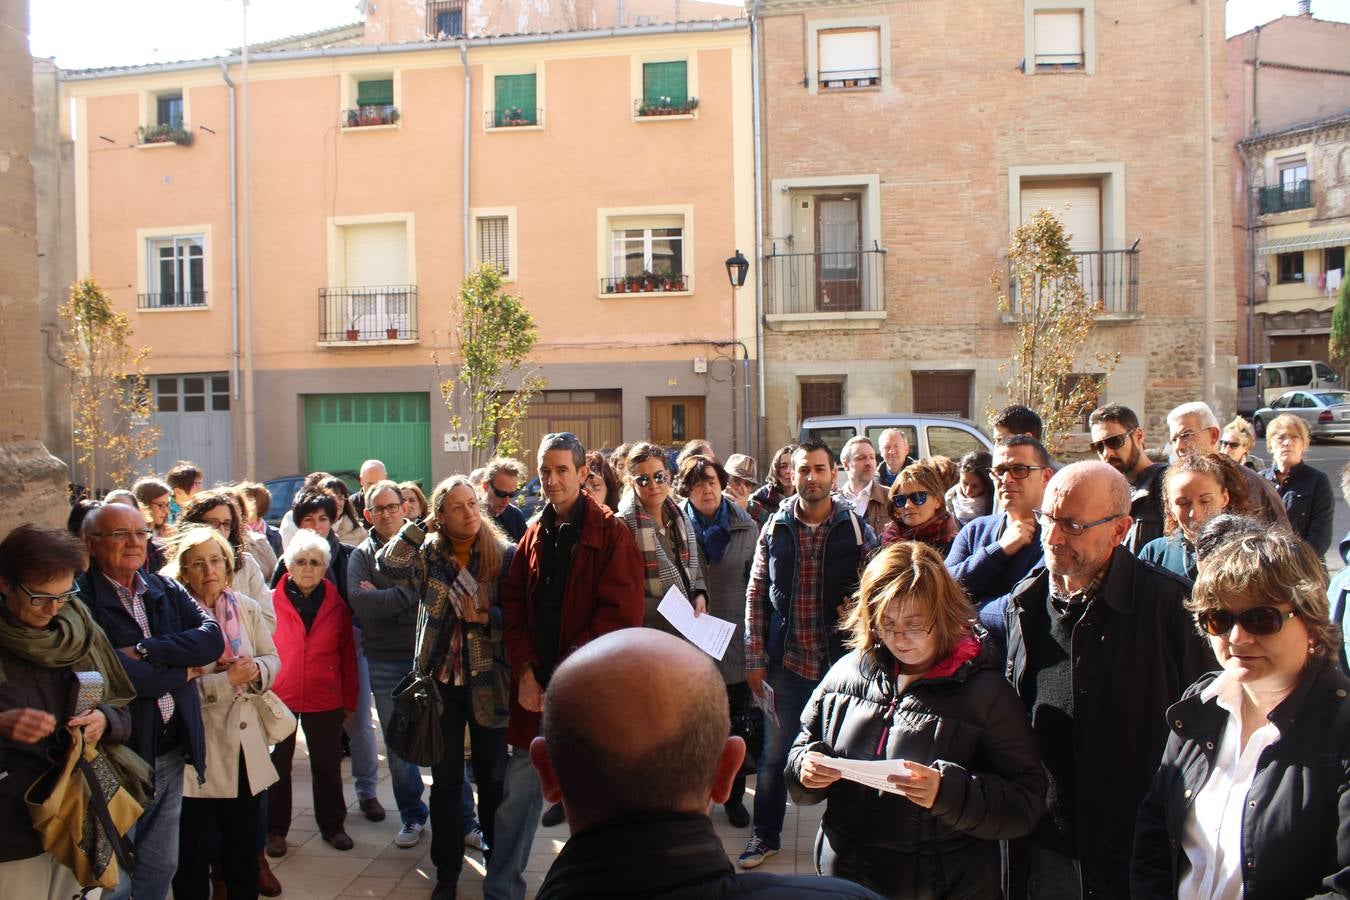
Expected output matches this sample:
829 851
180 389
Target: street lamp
737 267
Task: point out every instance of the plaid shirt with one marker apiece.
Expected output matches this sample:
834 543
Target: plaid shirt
805 652
134 603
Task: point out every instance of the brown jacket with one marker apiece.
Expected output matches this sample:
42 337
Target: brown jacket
604 593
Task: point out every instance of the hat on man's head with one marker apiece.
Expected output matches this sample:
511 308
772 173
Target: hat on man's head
738 465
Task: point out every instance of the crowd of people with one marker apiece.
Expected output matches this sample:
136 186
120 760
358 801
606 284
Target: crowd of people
1104 678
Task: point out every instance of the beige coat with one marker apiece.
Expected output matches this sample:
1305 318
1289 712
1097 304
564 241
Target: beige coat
231 719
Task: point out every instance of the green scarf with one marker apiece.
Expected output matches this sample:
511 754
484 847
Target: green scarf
72 640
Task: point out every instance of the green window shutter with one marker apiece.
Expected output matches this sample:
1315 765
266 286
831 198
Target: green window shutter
375 93
666 79
515 91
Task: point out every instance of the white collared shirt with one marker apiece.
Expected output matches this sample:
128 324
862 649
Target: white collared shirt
859 499
1213 834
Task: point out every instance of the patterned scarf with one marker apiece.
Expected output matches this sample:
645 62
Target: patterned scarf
713 534
939 530
659 571
227 616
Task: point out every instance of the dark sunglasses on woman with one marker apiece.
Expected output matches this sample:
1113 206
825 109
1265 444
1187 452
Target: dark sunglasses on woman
1258 620
918 497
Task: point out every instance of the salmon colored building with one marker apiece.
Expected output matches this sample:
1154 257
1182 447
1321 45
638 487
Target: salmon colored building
290 241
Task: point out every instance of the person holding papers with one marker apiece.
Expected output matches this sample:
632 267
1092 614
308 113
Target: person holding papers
457 567
922 688
663 534
725 535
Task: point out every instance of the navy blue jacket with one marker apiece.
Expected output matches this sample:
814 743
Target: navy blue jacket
182 637
512 521
1311 506
987 573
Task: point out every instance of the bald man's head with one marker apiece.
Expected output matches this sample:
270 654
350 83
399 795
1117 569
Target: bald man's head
636 720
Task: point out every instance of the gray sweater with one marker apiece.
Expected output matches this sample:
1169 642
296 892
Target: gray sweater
388 613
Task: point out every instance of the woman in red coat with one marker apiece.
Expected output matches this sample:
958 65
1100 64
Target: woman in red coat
318 683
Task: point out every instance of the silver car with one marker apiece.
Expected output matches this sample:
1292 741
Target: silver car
1326 412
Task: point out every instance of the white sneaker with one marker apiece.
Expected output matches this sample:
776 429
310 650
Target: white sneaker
474 838
409 835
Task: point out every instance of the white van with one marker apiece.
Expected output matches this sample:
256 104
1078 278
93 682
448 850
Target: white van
928 435
1261 384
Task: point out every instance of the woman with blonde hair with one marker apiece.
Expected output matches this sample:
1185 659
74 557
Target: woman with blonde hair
918 510
1305 490
922 687
459 642
1237 441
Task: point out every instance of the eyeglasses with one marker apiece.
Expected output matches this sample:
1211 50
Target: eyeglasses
37 599
1114 442
123 534
223 527
1069 525
919 498
159 504
386 509
201 565
643 480
1018 471
1230 445
1182 437
503 495
913 634
308 563
1258 620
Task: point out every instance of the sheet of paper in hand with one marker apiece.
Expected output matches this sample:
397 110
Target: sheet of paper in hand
870 772
464 590
708 633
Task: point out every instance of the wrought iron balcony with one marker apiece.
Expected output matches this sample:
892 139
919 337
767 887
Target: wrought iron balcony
171 300
369 115
513 117
1110 278
363 314
1284 197
664 106
647 283
826 282
840 79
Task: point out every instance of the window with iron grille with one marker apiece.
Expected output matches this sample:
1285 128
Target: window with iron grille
515 100
822 398
494 242
175 271
848 58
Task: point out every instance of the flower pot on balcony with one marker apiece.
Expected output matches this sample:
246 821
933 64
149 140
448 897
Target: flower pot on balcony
391 333
353 334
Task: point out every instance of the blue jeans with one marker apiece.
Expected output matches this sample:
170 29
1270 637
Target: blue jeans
466 805
406 777
365 762
155 835
790 693
516 821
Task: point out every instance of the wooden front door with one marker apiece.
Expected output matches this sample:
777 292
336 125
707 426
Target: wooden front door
839 263
675 420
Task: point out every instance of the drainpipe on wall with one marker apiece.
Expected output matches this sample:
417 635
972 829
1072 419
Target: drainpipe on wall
468 89
234 245
1209 356
250 410
1250 206
758 444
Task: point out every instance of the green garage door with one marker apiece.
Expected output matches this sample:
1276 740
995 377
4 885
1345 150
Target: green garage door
344 430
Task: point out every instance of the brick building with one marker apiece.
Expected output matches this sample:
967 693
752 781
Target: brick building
903 142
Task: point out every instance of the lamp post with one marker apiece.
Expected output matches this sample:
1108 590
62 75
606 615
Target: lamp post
737 268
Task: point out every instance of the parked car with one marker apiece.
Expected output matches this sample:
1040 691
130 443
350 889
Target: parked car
928 435
1327 413
284 489
1261 383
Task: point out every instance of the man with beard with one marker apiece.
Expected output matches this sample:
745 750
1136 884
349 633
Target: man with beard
1118 441
1099 644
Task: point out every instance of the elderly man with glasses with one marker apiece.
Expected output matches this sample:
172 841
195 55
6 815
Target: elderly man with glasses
994 552
1193 428
164 639
1118 441
577 574
1099 644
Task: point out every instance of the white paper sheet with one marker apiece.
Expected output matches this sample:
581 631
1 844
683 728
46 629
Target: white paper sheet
870 772
708 633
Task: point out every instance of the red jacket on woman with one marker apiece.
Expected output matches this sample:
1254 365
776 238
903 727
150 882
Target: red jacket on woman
318 669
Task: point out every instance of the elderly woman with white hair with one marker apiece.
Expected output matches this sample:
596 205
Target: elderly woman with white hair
318 683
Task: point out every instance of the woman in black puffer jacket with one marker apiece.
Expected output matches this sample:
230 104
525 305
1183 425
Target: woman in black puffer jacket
919 685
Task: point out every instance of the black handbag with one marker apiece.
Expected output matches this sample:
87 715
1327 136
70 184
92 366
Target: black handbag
414 732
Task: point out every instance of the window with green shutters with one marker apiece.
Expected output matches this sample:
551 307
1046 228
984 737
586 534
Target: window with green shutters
375 93
515 101
665 89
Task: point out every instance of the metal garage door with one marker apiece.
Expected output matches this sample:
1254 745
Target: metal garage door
193 415
344 430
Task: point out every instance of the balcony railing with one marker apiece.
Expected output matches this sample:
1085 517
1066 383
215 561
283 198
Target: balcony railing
838 79
369 115
664 106
445 18
1284 197
358 314
171 300
647 284
1110 278
513 117
826 282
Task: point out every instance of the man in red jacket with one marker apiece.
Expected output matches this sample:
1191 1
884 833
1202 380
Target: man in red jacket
577 574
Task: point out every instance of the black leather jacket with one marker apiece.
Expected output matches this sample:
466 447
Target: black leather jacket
1310 503
1296 825
970 726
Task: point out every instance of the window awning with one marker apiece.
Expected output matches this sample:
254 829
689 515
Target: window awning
1310 241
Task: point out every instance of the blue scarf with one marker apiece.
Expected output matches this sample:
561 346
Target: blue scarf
713 536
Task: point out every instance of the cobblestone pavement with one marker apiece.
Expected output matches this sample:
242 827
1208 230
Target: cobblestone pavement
312 870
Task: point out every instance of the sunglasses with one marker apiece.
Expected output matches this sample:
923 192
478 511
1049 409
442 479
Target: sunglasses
1114 442
503 495
919 498
643 480
1258 620
1230 445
